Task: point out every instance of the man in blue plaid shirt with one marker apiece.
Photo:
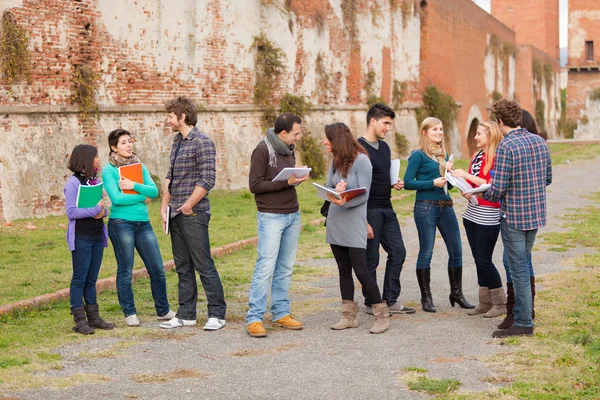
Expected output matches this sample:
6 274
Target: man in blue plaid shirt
522 170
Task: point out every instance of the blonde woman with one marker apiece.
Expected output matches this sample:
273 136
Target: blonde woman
481 220
434 208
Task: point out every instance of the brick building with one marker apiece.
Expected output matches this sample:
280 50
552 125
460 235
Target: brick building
338 53
583 89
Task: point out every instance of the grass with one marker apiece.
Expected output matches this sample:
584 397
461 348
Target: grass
433 386
561 152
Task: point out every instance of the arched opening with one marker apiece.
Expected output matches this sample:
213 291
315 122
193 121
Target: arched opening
471 144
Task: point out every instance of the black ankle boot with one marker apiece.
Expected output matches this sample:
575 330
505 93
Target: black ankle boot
424 279
94 320
81 324
456 294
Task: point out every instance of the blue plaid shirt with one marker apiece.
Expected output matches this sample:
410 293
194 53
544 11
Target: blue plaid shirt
195 166
522 170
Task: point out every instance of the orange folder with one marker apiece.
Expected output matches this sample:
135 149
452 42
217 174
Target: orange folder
134 173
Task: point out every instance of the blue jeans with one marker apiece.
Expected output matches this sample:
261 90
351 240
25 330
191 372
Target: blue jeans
508 277
125 236
517 257
428 216
278 236
386 231
191 252
87 258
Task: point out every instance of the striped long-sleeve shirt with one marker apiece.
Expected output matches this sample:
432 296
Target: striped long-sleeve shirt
522 170
195 166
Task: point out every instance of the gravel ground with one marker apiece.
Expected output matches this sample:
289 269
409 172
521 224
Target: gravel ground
317 362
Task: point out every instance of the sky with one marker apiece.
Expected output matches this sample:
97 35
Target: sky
563 18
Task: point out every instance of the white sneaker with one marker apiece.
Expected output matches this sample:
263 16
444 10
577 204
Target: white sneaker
170 315
177 323
214 324
132 320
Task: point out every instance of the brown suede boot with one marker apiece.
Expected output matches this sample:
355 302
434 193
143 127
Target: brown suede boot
382 318
499 303
485 302
94 320
348 320
81 324
510 303
532 280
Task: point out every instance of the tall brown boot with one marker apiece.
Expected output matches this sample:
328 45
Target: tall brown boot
498 303
510 303
349 311
382 318
81 324
485 302
94 320
532 280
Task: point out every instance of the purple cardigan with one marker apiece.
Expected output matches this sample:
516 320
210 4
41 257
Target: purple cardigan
74 213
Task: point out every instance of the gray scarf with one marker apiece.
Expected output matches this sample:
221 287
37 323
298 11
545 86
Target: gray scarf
276 146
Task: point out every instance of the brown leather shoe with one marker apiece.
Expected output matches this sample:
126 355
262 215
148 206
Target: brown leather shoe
256 329
289 323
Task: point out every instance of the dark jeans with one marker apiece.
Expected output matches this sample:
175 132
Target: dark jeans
428 216
87 258
191 253
386 231
125 237
482 239
349 258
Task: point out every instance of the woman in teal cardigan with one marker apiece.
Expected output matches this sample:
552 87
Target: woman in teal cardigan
129 227
434 208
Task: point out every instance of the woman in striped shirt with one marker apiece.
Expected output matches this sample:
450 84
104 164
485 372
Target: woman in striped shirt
481 220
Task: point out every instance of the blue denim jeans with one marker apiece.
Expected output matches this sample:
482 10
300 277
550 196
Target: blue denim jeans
125 236
386 231
191 253
428 216
508 277
278 236
87 258
517 257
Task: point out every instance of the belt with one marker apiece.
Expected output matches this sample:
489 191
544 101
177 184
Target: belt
447 203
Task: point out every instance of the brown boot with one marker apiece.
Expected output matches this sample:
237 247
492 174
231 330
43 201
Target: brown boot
382 319
94 320
81 324
510 303
532 280
348 320
499 303
485 302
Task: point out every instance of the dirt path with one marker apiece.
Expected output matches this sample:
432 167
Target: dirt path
317 362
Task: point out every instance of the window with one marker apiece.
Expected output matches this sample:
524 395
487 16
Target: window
589 50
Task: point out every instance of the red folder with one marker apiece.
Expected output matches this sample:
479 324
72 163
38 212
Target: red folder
134 173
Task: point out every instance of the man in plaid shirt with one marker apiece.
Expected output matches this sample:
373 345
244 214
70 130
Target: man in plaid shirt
522 170
192 174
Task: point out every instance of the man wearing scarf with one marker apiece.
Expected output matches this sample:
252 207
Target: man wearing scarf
278 225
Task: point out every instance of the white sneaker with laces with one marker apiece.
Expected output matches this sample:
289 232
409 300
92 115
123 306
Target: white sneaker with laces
170 315
132 320
214 324
177 323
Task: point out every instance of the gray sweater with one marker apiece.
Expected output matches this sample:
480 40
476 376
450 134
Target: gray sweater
347 225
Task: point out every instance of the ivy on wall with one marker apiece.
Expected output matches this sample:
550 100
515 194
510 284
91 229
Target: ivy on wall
85 89
15 58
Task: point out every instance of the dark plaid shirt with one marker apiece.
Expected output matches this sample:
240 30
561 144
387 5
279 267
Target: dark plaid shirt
195 166
522 170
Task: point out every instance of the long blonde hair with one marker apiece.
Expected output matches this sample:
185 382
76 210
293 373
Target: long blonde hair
424 143
494 137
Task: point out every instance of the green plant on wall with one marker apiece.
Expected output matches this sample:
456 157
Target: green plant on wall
370 88
15 58
398 93
438 104
269 60
540 111
85 89
349 11
565 126
298 105
548 77
322 76
585 120
402 144
595 94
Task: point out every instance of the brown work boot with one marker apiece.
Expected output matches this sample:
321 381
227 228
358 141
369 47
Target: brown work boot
348 320
485 302
382 319
498 303
256 329
288 322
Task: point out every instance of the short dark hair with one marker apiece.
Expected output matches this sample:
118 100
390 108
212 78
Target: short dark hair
81 160
285 122
379 111
183 105
528 122
114 136
508 111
